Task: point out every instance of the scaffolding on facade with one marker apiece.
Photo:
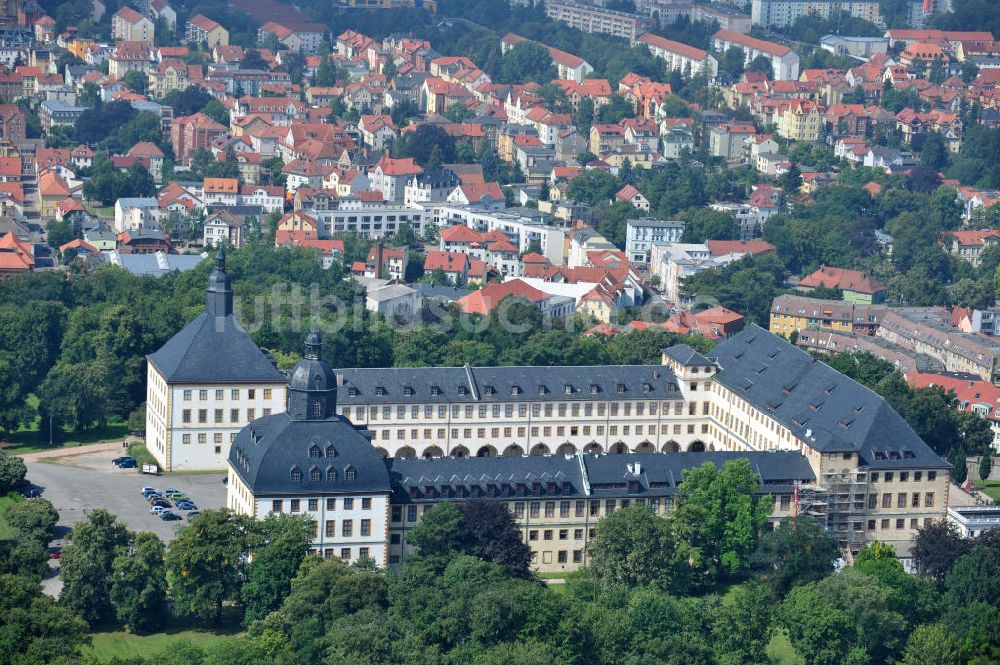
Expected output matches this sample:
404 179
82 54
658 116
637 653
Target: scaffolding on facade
847 493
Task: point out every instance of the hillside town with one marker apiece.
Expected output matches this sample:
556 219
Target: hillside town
616 309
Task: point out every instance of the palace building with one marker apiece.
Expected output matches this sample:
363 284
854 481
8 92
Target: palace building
206 383
823 445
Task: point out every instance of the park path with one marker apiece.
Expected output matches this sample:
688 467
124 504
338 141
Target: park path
72 451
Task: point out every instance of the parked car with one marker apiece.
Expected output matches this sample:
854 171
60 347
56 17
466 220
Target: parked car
118 460
162 503
156 510
147 490
153 498
124 462
55 552
186 505
168 515
31 493
193 514
178 496
148 495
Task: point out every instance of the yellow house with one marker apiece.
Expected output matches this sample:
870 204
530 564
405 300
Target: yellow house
203 30
51 190
801 121
80 47
791 313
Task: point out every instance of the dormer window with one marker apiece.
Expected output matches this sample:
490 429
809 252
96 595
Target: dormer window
463 390
331 473
352 392
350 473
435 391
489 390
542 390
314 452
317 409
620 388
407 391
314 474
594 389
515 390
296 474
646 387
568 389
331 452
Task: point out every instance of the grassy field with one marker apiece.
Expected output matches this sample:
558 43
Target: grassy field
6 533
30 439
990 488
138 450
118 643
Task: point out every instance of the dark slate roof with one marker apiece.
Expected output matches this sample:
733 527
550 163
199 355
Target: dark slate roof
481 471
560 476
266 452
818 404
449 293
663 471
686 356
216 350
474 384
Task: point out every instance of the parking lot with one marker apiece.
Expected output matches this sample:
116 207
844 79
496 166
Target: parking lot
76 485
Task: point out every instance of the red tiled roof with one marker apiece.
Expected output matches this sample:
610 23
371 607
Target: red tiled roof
486 299
975 238
460 233
842 278
673 47
754 247
752 42
446 261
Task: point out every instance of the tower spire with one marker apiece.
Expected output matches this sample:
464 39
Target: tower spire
219 294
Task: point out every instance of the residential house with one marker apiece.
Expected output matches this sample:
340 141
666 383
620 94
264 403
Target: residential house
202 30
128 25
856 286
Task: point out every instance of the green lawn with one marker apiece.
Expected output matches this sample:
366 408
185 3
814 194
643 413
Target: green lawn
6 533
29 438
781 651
118 643
138 450
990 488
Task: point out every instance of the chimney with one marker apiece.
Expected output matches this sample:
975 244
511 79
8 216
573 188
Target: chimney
378 259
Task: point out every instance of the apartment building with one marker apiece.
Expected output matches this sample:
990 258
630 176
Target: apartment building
784 61
569 67
824 447
202 30
680 57
793 314
128 25
206 383
368 219
784 13
593 18
523 231
928 330
823 341
640 234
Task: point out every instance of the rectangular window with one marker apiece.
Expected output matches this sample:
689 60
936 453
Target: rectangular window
187 395
252 394
533 509
185 438
345 553
331 529
519 510
609 506
347 528
929 499
915 500
550 508
348 504
202 395
577 556
411 513
563 534
276 506
547 534
786 502
884 524
366 527
313 504
532 535
219 394
562 556
887 500
901 500
331 504
366 504
595 508
932 475
564 509
363 553
294 506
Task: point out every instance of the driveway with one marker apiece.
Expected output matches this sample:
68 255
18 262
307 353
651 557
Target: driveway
78 484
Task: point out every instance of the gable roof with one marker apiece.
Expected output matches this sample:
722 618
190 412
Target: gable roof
842 278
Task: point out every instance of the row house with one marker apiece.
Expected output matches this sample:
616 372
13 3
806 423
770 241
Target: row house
568 66
130 56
